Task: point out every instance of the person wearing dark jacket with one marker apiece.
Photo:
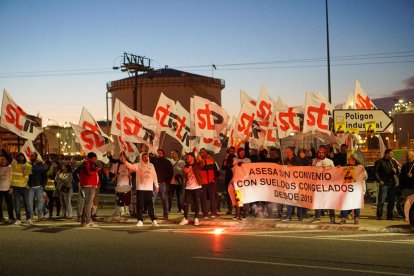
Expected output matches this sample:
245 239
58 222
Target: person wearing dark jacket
37 180
274 157
386 169
407 175
341 158
227 166
292 160
165 173
208 190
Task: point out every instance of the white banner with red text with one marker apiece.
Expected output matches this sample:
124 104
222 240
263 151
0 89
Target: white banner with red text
340 188
15 119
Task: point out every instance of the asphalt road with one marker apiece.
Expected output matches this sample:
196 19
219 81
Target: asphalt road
113 249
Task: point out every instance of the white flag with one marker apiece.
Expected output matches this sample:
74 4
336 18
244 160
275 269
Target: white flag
287 119
28 149
245 97
210 118
362 101
15 119
116 119
318 112
264 108
88 122
245 121
91 141
131 151
138 128
210 144
350 102
162 112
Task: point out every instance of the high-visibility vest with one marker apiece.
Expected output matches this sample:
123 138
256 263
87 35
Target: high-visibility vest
20 179
50 185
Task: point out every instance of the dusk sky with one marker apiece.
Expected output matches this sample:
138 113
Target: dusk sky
57 56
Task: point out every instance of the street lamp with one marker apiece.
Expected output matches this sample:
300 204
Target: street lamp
58 136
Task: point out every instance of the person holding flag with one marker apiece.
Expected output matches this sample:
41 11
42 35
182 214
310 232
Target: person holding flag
146 179
89 181
19 183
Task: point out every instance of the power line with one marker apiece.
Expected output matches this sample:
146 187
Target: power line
228 66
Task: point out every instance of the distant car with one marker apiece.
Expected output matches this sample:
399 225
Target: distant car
409 209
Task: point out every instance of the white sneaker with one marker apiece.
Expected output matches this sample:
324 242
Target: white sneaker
17 222
91 224
155 224
140 224
29 222
184 222
196 222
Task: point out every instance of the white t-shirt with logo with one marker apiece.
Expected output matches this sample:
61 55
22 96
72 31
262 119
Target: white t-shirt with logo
122 181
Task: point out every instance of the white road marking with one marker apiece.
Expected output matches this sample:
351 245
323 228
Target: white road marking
300 266
364 235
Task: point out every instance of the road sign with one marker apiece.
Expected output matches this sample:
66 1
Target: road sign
359 118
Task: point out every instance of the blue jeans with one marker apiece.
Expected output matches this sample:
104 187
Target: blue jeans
163 192
289 212
38 193
344 213
24 192
386 193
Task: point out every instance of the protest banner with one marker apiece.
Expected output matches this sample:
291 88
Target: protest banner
340 188
15 119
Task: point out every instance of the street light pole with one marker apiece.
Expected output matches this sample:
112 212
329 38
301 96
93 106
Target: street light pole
58 136
329 59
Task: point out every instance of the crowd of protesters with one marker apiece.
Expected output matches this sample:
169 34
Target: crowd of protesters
47 186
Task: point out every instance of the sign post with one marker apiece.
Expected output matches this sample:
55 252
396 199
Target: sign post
359 118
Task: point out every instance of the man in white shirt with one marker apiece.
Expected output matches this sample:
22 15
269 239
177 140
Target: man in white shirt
146 179
322 161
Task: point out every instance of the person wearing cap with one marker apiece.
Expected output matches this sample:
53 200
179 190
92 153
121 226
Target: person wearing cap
192 180
88 180
322 161
146 179
19 183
